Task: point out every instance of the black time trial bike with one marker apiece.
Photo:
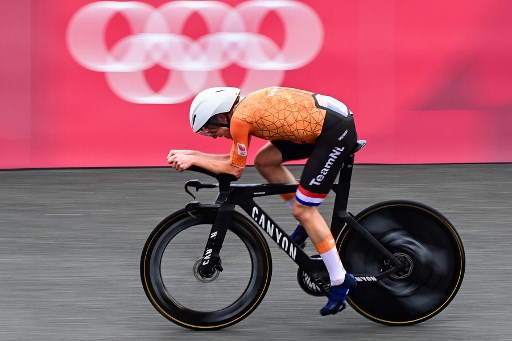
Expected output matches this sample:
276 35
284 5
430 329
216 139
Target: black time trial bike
208 266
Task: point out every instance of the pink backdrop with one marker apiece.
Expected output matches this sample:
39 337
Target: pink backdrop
428 81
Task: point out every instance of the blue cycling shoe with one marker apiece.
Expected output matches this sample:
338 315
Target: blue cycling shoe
299 236
338 296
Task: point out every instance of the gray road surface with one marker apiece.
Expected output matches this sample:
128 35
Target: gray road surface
70 242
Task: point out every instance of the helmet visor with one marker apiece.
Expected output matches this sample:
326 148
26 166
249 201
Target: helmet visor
212 125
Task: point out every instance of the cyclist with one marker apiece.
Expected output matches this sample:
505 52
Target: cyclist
298 124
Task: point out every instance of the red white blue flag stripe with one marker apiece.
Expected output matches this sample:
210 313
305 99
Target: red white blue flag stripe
308 198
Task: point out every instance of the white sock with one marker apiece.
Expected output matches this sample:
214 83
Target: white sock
334 267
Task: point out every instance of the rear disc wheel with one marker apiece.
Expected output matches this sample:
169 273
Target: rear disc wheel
430 250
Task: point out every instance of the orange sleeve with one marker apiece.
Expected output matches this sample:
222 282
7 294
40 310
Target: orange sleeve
240 132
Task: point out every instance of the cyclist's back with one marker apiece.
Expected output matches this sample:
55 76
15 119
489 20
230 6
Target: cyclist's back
280 114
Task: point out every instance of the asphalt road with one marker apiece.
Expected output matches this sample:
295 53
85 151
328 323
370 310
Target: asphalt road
70 244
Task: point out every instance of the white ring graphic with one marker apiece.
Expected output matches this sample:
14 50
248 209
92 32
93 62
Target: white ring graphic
157 39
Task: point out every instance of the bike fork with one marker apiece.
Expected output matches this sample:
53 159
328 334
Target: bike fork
211 262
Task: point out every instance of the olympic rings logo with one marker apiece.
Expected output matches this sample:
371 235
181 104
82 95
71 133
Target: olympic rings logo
194 65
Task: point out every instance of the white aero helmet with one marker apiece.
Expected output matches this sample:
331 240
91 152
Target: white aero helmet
211 102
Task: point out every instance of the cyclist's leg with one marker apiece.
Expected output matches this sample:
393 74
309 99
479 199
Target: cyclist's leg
333 147
269 163
313 222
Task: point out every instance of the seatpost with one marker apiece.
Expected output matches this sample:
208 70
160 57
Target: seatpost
342 190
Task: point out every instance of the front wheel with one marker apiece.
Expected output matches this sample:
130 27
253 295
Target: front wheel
428 246
172 280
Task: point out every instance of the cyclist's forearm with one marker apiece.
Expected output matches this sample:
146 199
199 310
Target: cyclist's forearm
213 157
219 157
218 166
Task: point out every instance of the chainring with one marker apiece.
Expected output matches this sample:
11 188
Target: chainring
307 284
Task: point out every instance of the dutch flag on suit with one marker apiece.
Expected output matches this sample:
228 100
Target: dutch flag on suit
308 198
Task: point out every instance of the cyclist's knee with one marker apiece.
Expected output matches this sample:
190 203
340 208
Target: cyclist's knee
302 212
261 163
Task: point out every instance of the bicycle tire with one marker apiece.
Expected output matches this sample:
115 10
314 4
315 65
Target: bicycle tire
426 241
165 301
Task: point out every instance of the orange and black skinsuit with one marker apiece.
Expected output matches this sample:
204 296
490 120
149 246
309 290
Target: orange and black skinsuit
301 125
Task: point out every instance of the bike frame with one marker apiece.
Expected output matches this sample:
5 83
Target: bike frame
232 195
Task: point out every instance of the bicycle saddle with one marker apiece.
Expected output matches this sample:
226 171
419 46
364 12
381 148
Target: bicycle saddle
360 144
